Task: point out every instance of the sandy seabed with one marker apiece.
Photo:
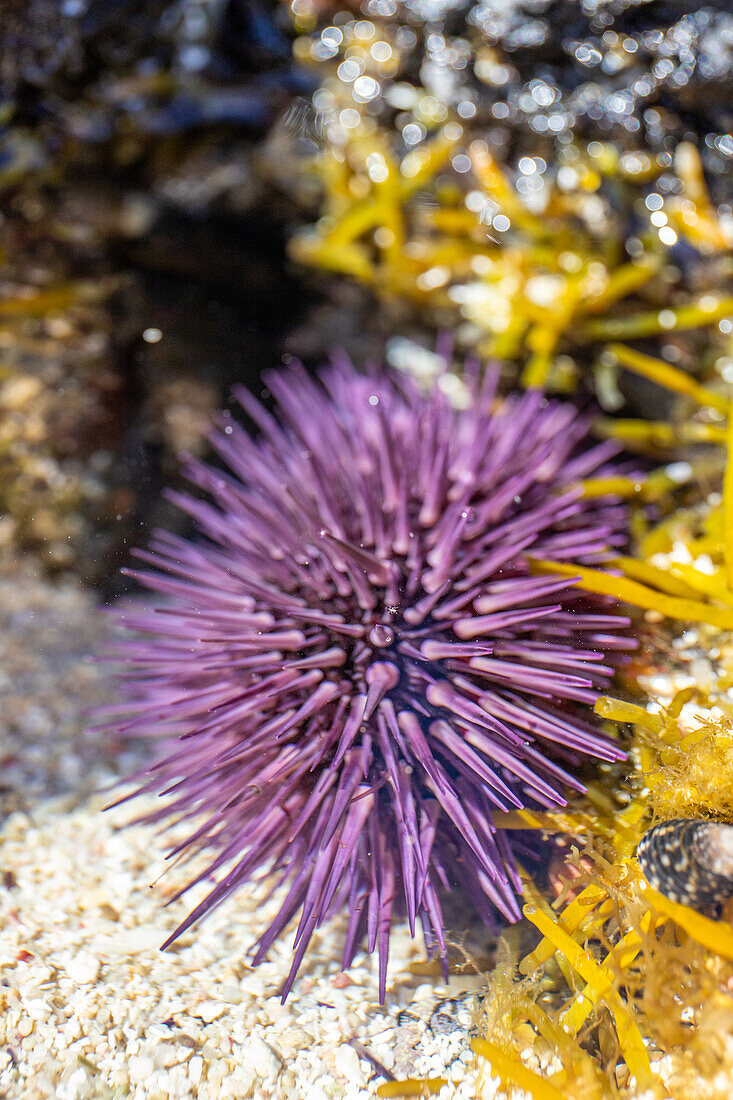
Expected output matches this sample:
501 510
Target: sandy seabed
89 1005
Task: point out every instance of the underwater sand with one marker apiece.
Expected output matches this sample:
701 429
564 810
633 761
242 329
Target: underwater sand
89 1005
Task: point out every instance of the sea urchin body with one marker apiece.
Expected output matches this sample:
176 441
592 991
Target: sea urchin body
354 667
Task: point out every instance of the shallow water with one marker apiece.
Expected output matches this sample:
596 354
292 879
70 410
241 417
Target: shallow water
153 168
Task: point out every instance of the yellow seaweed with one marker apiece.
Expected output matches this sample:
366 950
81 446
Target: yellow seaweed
467 249
412 1086
656 370
629 1037
513 1071
629 591
699 314
715 935
728 506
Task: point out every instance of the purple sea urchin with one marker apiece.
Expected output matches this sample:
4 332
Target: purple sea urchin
355 666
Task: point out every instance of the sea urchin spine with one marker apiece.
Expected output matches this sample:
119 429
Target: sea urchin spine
354 667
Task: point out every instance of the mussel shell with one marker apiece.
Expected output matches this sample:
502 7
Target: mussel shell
690 862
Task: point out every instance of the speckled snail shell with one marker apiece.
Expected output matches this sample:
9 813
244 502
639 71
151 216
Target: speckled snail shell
690 862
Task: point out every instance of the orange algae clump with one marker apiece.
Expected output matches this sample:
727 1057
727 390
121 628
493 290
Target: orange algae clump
626 994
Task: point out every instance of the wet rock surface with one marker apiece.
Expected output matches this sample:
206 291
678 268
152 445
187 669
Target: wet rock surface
143 266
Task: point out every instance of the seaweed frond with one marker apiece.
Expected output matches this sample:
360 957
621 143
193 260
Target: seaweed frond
626 994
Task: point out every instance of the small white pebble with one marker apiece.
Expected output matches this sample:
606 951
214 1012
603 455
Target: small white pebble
36 1008
83 969
141 1067
168 1054
347 1062
195 1068
75 1085
264 1062
134 941
24 1026
210 1010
